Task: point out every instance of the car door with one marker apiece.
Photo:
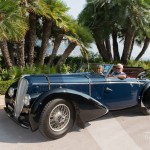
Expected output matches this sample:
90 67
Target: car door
97 84
119 94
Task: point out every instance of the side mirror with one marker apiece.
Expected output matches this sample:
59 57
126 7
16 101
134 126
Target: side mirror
141 75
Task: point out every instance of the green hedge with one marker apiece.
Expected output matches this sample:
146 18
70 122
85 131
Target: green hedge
4 86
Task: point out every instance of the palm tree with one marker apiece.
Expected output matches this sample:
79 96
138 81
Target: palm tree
101 18
5 53
58 34
20 54
12 27
66 53
47 24
79 36
145 46
31 37
127 45
57 42
115 46
34 8
58 10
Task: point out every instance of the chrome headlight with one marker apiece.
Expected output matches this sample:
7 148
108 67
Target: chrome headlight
11 92
27 100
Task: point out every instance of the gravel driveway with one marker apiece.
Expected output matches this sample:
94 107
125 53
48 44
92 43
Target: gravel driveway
119 130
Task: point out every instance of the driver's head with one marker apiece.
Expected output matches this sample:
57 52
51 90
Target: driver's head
119 68
99 69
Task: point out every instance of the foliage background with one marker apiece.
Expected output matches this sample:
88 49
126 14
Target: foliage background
8 76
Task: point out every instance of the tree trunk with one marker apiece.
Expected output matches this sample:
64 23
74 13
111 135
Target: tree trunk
5 53
145 46
45 39
32 38
20 53
101 46
57 43
115 47
108 48
11 52
102 50
127 45
131 49
66 53
26 47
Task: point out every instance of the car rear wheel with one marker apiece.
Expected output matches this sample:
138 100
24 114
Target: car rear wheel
57 119
145 110
145 103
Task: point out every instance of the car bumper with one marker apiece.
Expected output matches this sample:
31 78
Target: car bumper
18 121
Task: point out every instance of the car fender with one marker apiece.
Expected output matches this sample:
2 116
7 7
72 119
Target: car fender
86 108
145 95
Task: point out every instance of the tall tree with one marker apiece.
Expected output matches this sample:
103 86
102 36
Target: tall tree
33 8
20 54
47 24
58 10
127 45
78 36
5 53
101 17
58 32
12 27
145 46
57 43
115 46
66 53
31 38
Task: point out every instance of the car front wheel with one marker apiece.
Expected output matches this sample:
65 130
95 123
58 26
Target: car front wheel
57 118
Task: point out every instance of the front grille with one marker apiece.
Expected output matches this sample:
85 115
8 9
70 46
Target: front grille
21 92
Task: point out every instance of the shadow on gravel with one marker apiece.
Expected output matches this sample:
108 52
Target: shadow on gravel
129 112
10 132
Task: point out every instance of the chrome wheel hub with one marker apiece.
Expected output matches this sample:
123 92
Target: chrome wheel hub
59 117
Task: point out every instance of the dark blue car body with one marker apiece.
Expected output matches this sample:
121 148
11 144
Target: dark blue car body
90 96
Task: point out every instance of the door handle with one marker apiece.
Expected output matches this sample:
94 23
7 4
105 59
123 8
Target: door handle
108 89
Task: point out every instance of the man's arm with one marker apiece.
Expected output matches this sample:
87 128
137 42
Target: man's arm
122 75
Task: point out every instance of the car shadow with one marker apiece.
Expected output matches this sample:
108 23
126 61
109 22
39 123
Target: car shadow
128 112
10 132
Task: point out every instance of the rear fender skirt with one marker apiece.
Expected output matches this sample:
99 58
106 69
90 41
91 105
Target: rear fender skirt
86 108
145 95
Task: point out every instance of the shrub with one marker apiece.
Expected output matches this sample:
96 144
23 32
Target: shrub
16 72
4 86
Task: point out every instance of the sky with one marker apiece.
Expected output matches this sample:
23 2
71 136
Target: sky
76 7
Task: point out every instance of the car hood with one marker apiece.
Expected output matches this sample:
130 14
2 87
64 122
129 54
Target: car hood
58 78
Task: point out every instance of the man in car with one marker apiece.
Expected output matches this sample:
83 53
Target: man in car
118 72
99 69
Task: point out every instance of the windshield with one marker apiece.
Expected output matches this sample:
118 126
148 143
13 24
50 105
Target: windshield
91 67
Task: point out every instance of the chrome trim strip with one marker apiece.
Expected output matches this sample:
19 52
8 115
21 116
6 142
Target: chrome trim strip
90 83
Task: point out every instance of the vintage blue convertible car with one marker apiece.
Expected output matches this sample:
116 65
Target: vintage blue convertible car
53 103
